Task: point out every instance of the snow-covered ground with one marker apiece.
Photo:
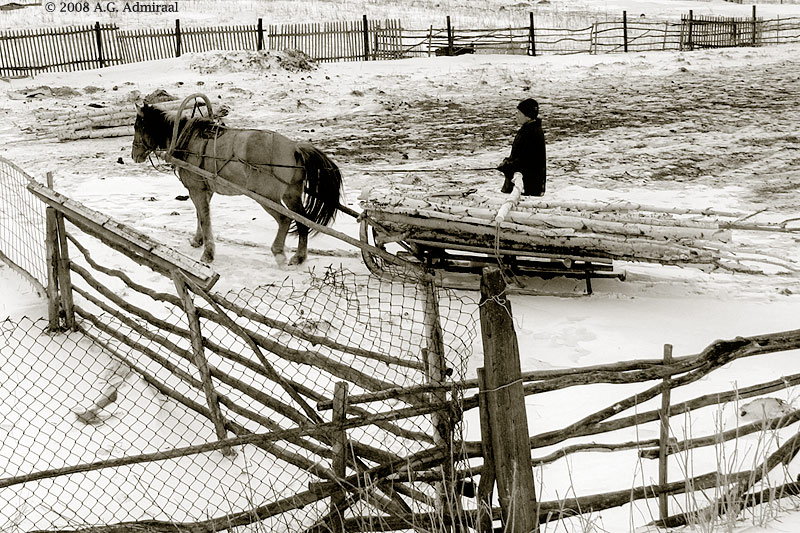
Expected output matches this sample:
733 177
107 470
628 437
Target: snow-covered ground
703 128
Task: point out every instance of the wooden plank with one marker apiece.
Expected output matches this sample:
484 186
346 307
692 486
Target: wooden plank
134 244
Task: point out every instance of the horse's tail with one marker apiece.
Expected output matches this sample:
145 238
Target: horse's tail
323 184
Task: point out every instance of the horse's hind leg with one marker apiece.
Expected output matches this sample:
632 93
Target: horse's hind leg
279 242
302 246
204 235
295 203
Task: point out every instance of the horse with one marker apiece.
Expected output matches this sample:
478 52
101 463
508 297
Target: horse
297 175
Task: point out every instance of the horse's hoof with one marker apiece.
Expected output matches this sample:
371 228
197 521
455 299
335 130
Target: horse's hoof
196 243
280 259
207 258
295 260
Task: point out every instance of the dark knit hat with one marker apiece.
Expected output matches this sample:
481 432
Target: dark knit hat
529 107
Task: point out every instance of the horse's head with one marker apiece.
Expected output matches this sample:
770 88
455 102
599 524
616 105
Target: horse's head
144 142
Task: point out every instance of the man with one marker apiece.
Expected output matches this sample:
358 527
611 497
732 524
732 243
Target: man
528 155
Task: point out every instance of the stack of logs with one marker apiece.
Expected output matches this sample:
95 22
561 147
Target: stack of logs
91 123
614 230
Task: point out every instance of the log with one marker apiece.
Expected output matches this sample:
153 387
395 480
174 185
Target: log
555 220
384 196
120 131
613 247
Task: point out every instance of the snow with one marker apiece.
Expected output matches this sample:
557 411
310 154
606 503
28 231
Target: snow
704 128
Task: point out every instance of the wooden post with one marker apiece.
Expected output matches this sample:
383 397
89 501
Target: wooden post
754 25
260 37
506 402
339 451
450 51
430 40
663 438
366 38
689 41
99 36
486 484
64 276
436 372
52 269
532 32
625 31
200 362
51 244
177 38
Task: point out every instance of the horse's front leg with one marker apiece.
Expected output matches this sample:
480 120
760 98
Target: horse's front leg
204 235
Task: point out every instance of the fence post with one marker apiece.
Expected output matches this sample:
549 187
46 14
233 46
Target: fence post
177 38
506 401
64 276
99 36
532 36
486 484
51 244
436 370
625 31
754 25
366 39
260 37
339 451
198 351
691 17
663 438
52 268
449 37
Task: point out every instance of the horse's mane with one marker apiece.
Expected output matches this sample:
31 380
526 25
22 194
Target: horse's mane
161 123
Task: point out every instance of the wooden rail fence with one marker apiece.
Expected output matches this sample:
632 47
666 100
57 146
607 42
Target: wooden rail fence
26 52
243 365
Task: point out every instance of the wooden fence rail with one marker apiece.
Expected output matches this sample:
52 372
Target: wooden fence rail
26 52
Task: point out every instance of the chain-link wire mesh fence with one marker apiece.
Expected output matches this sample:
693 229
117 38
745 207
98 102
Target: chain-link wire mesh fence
119 420
22 224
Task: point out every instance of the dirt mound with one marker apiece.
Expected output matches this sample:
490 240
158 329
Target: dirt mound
250 61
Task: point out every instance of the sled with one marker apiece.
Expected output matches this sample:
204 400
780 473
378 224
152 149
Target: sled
460 232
